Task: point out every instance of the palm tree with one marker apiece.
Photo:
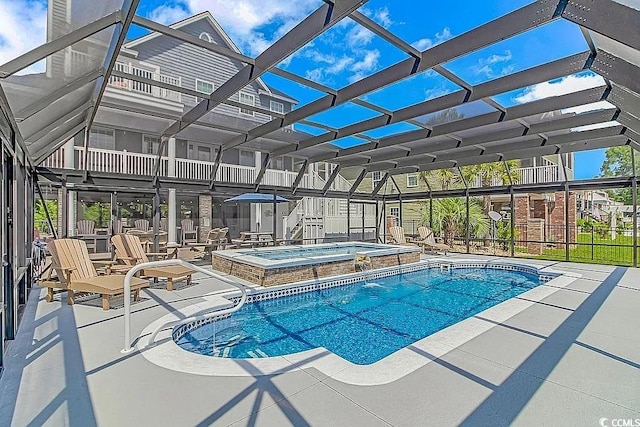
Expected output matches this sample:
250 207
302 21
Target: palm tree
444 178
491 174
450 218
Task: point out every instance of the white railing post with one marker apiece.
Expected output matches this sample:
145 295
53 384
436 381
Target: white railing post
124 162
164 263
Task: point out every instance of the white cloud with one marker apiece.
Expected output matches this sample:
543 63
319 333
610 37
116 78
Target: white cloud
243 19
564 86
168 14
494 65
383 17
560 87
426 43
359 36
22 28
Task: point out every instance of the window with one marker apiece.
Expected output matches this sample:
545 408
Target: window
199 152
246 158
277 163
412 180
206 37
376 177
151 144
395 212
248 99
204 87
102 138
276 107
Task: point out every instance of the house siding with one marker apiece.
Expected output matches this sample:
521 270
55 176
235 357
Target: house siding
179 59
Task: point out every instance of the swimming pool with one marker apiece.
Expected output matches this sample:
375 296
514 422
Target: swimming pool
312 251
361 322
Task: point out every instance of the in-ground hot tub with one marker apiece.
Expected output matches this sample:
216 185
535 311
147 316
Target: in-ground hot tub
289 264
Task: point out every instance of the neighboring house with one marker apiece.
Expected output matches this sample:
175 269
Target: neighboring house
530 171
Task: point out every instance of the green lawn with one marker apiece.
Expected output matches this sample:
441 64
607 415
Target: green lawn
604 251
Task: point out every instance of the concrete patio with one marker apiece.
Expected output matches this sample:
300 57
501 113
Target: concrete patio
573 358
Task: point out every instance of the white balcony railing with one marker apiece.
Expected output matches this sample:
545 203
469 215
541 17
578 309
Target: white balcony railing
124 162
144 88
531 175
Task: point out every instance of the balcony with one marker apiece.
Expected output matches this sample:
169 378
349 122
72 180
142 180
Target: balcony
124 162
532 175
121 83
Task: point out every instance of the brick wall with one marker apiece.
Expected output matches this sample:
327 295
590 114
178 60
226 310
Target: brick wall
556 222
521 212
281 276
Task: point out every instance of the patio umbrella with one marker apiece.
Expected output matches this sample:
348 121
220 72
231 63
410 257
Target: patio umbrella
260 198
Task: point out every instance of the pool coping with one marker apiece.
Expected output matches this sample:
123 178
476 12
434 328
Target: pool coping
167 354
243 255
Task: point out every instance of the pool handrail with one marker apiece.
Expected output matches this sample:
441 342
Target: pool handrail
164 263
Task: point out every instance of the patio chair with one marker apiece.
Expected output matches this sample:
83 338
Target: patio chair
76 273
213 238
116 226
142 224
428 241
223 237
398 237
87 227
164 224
188 229
129 250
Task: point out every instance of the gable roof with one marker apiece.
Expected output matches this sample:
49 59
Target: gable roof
183 23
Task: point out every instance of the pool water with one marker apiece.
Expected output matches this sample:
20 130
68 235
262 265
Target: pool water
281 254
361 322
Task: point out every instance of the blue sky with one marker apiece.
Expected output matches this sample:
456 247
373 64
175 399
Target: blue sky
348 52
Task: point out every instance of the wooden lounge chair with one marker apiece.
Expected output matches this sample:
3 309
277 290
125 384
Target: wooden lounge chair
142 224
398 237
77 274
129 250
188 229
428 241
86 227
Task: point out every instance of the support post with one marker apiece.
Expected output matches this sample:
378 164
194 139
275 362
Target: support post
400 210
63 211
172 237
431 211
46 209
114 218
566 219
467 230
274 216
513 222
348 219
156 217
384 219
363 207
71 213
377 230
634 198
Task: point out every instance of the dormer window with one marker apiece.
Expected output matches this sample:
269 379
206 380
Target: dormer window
206 37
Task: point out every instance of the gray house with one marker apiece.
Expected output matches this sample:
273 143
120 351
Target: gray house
125 137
